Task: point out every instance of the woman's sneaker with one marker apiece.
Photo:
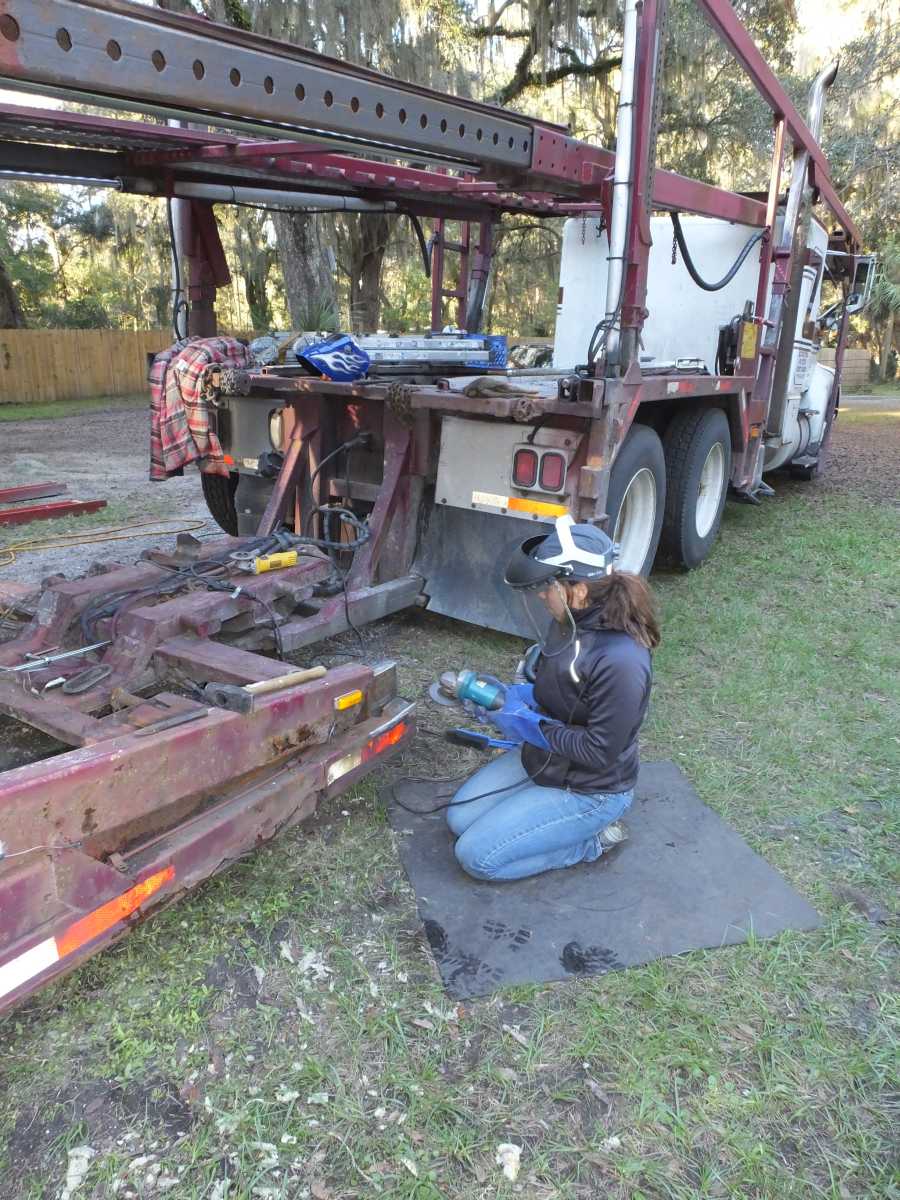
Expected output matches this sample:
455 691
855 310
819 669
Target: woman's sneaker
611 838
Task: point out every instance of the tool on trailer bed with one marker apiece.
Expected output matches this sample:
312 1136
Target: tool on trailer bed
661 398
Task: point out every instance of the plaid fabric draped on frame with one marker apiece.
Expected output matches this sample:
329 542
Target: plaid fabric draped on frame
180 431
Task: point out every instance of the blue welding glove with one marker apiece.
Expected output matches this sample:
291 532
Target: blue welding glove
519 723
522 692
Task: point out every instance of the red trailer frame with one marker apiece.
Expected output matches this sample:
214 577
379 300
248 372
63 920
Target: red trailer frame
159 793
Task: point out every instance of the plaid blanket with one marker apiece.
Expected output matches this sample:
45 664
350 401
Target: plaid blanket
180 432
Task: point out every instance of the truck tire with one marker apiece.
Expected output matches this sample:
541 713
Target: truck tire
636 499
697 447
218 492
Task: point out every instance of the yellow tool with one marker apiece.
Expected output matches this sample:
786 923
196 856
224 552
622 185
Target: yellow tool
273 562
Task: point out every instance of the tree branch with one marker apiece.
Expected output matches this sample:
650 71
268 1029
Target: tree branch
523 79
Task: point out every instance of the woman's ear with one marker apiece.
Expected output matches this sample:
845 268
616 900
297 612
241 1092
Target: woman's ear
578 595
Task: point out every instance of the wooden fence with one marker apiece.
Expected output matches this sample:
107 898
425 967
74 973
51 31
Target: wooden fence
855 375
37 365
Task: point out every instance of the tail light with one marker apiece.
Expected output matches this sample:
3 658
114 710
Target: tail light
525 468
553 472
539 469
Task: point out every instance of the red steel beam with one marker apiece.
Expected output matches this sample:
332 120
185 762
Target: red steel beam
31 491
726 24
46 512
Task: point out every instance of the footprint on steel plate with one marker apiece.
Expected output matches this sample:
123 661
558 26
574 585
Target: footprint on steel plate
499 931
594 960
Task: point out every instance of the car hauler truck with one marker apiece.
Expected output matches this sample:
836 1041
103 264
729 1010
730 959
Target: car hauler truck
679 374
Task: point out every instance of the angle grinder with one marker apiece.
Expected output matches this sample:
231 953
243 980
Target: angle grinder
455 687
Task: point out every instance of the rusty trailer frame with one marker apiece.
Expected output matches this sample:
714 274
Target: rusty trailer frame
158 788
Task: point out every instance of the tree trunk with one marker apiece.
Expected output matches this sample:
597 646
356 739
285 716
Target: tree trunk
367 250
887 343
307 263
11 315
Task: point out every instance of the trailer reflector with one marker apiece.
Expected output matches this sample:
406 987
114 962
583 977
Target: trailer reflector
49 952
380 741
103 918
348 700
541 508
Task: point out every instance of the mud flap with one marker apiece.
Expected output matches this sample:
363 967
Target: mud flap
462 556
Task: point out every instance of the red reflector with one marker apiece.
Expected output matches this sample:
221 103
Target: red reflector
525 468
384 741
553 472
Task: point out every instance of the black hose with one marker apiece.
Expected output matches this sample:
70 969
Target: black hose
692 270
423 245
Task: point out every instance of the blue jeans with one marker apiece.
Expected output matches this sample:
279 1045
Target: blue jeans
525 829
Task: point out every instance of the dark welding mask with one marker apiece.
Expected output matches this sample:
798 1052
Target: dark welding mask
537 567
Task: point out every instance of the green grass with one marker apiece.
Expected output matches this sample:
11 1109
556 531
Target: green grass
766 1070
53 410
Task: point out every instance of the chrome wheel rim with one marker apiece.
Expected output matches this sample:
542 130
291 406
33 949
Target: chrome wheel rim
712 479
636 521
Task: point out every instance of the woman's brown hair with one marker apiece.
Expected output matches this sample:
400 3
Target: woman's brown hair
626 603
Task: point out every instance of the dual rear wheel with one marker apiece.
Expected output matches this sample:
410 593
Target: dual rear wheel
666 495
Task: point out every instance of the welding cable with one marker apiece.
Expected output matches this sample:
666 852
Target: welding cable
689 262
209 573
115 533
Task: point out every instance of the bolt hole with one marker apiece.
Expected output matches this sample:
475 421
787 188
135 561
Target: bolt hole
114 50
496 138
443 126
269 85
158 59
199 69
462 131
423 121
379 110
300 91
329 99
354 104
402 115
64 39
9 27
511 143
234 76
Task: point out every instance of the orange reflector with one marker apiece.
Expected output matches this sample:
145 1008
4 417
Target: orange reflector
228 460
112 913
541 507
348 700
384 741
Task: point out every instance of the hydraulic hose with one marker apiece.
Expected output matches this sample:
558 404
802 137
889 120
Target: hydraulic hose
692 270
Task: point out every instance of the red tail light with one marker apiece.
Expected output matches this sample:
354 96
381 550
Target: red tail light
525 468
553 472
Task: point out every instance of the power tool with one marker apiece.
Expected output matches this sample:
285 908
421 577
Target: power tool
483 690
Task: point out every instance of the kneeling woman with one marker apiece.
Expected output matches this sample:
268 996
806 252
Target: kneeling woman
556 801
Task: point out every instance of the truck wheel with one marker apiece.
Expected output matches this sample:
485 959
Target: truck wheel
218 492
697 447
636 497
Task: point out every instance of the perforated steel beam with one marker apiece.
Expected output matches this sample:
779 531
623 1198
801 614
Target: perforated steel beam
126 51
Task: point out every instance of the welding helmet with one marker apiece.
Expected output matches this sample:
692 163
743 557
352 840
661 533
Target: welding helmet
338 358
571 553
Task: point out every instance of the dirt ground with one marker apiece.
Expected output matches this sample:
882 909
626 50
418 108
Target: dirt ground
100 455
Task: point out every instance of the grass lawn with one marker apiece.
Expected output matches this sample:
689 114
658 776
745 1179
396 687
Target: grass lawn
281 1032
53 409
